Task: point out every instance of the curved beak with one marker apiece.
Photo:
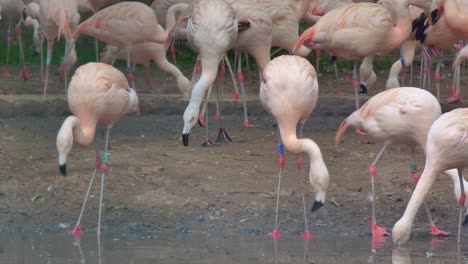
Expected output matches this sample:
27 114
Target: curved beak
185 139
306 35
63 169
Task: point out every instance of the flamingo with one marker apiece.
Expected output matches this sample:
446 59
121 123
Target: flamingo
289 92
396 116
362 29
98 94
124 25
144 53
447 148
14 10
55 17
212 27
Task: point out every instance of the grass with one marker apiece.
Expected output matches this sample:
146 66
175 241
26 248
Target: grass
185 56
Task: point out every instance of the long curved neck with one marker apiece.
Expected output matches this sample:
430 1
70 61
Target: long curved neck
208 76
83 134
423 187
173 14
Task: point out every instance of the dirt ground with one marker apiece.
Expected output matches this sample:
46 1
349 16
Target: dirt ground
155 183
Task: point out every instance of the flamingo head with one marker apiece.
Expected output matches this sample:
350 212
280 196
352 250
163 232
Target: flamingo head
64 145
108 53
401 232
190 119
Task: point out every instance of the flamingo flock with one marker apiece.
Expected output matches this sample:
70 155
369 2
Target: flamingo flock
99 94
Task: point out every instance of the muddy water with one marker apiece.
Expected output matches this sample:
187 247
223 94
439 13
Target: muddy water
202 248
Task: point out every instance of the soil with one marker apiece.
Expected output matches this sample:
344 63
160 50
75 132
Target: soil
154 183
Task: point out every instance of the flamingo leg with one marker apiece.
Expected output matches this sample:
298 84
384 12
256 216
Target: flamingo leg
148 80
356 86
437 75
318 54
275 234
50 48
130 75
247 64
208 142
41 38
96 48
377 231
223 136
335 67
24 73
414 172
6 73
231 72
455 83
240 78
77 230
306 234
411 74
421 69
104 167
462 204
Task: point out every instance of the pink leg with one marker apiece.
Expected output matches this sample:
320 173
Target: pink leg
240 78
24 73
356 87
462 204
6 73
173 52
377 231
47 68
275 234
414 172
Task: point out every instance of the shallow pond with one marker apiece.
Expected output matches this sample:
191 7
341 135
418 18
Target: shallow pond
29 248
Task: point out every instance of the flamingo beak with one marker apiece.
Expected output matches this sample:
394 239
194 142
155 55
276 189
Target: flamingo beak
63 169
317 205
185 139
308 34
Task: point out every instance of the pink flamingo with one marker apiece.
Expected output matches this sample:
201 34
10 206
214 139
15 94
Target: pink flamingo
124 25
14 10
395 116
55 17
360 30
446 148
98 94
289 92
212 28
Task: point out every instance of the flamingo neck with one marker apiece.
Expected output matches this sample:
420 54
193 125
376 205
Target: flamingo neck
402 30
83 132
207 77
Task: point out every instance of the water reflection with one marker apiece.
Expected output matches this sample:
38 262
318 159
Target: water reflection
220 248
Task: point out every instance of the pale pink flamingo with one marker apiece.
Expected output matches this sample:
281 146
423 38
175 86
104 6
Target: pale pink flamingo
144 53
319 8
453 13
212 28
362 29
55 17
446 148
395 116
98 94
13 10
124 25
289 92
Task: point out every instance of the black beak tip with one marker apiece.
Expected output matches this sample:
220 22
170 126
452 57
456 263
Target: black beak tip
35 53
363 89
200 123
63 169
466 220
185 139
317 205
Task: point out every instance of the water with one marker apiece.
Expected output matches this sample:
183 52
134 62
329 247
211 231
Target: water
196 248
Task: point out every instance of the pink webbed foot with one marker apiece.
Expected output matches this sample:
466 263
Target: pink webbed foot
208 143
223 136
454 99
275 234
307 235
24 74
247 124
236 95
76 232
6 74
437 232
360 133
378 231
